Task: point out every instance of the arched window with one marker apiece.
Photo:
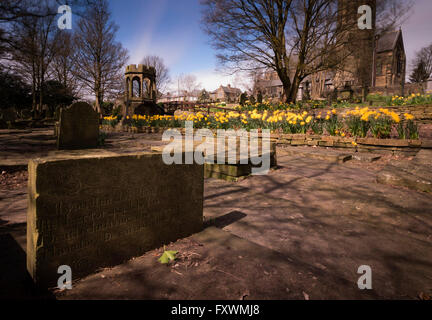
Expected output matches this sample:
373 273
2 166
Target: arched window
146 88
136 87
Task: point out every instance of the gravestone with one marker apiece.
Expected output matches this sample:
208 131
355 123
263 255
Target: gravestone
90 212
78 127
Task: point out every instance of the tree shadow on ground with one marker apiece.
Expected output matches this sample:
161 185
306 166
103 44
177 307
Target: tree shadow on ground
225 220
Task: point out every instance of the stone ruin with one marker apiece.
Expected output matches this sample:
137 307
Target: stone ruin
140 92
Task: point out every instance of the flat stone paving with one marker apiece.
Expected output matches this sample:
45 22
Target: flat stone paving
300 232
18 146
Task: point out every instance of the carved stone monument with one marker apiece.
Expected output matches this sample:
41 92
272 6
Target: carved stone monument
140 92
78 127
90 212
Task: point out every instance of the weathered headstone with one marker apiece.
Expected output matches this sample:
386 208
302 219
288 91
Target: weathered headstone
89 212
78 127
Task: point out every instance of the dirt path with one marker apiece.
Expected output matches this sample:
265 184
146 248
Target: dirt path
304 228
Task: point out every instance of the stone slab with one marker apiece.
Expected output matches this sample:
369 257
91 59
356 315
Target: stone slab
221 176
89 212
384 142
366 157
424 157
14 131
319 154
427 144
78 127
13 164
239 158
406 176
231 170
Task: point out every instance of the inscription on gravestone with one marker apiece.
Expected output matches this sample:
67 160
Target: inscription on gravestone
89 213
78 127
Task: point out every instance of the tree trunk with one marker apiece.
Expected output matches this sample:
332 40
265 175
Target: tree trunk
286 85
98 101
34 106
294 90
365 92
41 96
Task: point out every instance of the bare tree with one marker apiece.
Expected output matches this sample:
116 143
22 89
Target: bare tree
100 58
390 14
63 65
162 73
423 58
33 50
295 38
188 83
31 44
12 11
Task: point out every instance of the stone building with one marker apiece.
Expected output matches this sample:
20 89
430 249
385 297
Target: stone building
226 94
375 62
140 92
390 61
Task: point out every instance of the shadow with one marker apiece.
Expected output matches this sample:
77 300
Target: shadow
225 193
225 220
15 281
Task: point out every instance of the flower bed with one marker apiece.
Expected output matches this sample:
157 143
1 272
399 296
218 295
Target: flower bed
382 100
364 122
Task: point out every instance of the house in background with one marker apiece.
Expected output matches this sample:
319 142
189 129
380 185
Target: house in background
183 95
269 85
226 94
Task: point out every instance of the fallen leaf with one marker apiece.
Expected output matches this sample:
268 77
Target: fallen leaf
168 256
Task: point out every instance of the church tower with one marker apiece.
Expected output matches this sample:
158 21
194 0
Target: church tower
357 44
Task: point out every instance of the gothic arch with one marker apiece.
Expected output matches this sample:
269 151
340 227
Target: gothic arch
147 88
136 87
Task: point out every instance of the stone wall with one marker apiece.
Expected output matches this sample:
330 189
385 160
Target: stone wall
393 146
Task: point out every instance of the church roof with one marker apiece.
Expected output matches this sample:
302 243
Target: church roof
387 41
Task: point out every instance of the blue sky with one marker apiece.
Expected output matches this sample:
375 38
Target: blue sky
171 29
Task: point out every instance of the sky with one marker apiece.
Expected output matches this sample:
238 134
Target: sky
172 30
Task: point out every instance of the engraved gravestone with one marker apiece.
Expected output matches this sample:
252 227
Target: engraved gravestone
78 127
91 212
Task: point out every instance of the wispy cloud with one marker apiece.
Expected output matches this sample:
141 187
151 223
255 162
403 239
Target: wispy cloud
211 80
